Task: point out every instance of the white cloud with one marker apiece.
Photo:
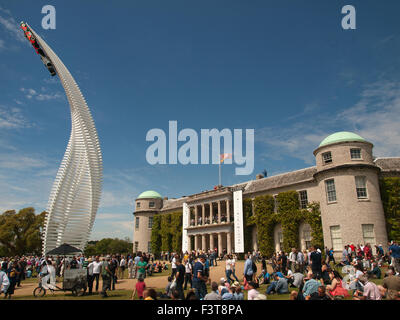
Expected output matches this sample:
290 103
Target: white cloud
376 117
11 25
12 118
30 93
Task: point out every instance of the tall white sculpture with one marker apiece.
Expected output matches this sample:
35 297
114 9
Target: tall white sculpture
76 192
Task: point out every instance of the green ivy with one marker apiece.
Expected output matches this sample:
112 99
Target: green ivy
390 194
290 216
166 234
265 220
248 224
312 216
156 235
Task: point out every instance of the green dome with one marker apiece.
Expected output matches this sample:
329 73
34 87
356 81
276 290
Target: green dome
342 136
149 194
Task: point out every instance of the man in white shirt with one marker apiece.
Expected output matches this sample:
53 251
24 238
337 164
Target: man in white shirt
131 269
293 259
90 275
97 271
228 269
173 265
122 265
137 260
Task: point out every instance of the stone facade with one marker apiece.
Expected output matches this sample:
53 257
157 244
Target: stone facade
345 181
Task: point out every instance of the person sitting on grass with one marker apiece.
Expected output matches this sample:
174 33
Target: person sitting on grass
150 294
297 277
175 295
336 289
280 286
391 284
228 294
370 292
264 277
214 294
237 294
375 271
252 293
139 289
320 295
191 295
311 285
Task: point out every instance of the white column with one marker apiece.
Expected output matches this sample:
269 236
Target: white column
196 215
203 213
196 242
212 241
228 211
219 243
229 243
203 242
219 211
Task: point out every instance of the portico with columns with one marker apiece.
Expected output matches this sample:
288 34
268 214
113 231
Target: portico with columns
210 222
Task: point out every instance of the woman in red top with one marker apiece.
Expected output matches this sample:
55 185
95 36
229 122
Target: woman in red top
336 288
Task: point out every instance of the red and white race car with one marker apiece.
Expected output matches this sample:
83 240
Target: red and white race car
46 61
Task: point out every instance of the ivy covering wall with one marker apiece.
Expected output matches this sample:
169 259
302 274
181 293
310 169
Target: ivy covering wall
166 233
289 215
390 194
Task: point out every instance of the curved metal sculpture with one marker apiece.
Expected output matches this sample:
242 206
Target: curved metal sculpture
76 192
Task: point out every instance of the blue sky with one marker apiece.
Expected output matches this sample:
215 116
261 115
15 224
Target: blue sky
284 68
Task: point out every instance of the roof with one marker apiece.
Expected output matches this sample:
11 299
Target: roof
342 136
149 194
281 180
388 164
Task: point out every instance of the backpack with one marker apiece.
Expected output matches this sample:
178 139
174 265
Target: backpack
254 267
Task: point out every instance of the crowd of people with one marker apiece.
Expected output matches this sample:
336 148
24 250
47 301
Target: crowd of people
302 275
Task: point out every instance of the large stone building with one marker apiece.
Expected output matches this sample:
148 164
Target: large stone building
345 181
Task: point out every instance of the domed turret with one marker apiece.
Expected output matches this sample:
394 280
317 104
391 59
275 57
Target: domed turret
347 178
147 204
343 148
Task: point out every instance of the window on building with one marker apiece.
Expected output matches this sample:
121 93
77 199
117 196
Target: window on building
303 199
330 190
327 157
152 204
336 238
361 187
276 203
137 223
138 205
368 234
149 247
307 238
280 239
150 222
355 153
136 246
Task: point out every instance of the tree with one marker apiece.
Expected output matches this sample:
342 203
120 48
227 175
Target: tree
20 233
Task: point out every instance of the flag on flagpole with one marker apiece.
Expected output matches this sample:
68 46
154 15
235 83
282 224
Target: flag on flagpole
225 156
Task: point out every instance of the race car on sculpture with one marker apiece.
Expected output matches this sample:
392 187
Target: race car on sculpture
46 61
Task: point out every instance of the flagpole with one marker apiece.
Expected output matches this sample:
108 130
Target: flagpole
219 173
